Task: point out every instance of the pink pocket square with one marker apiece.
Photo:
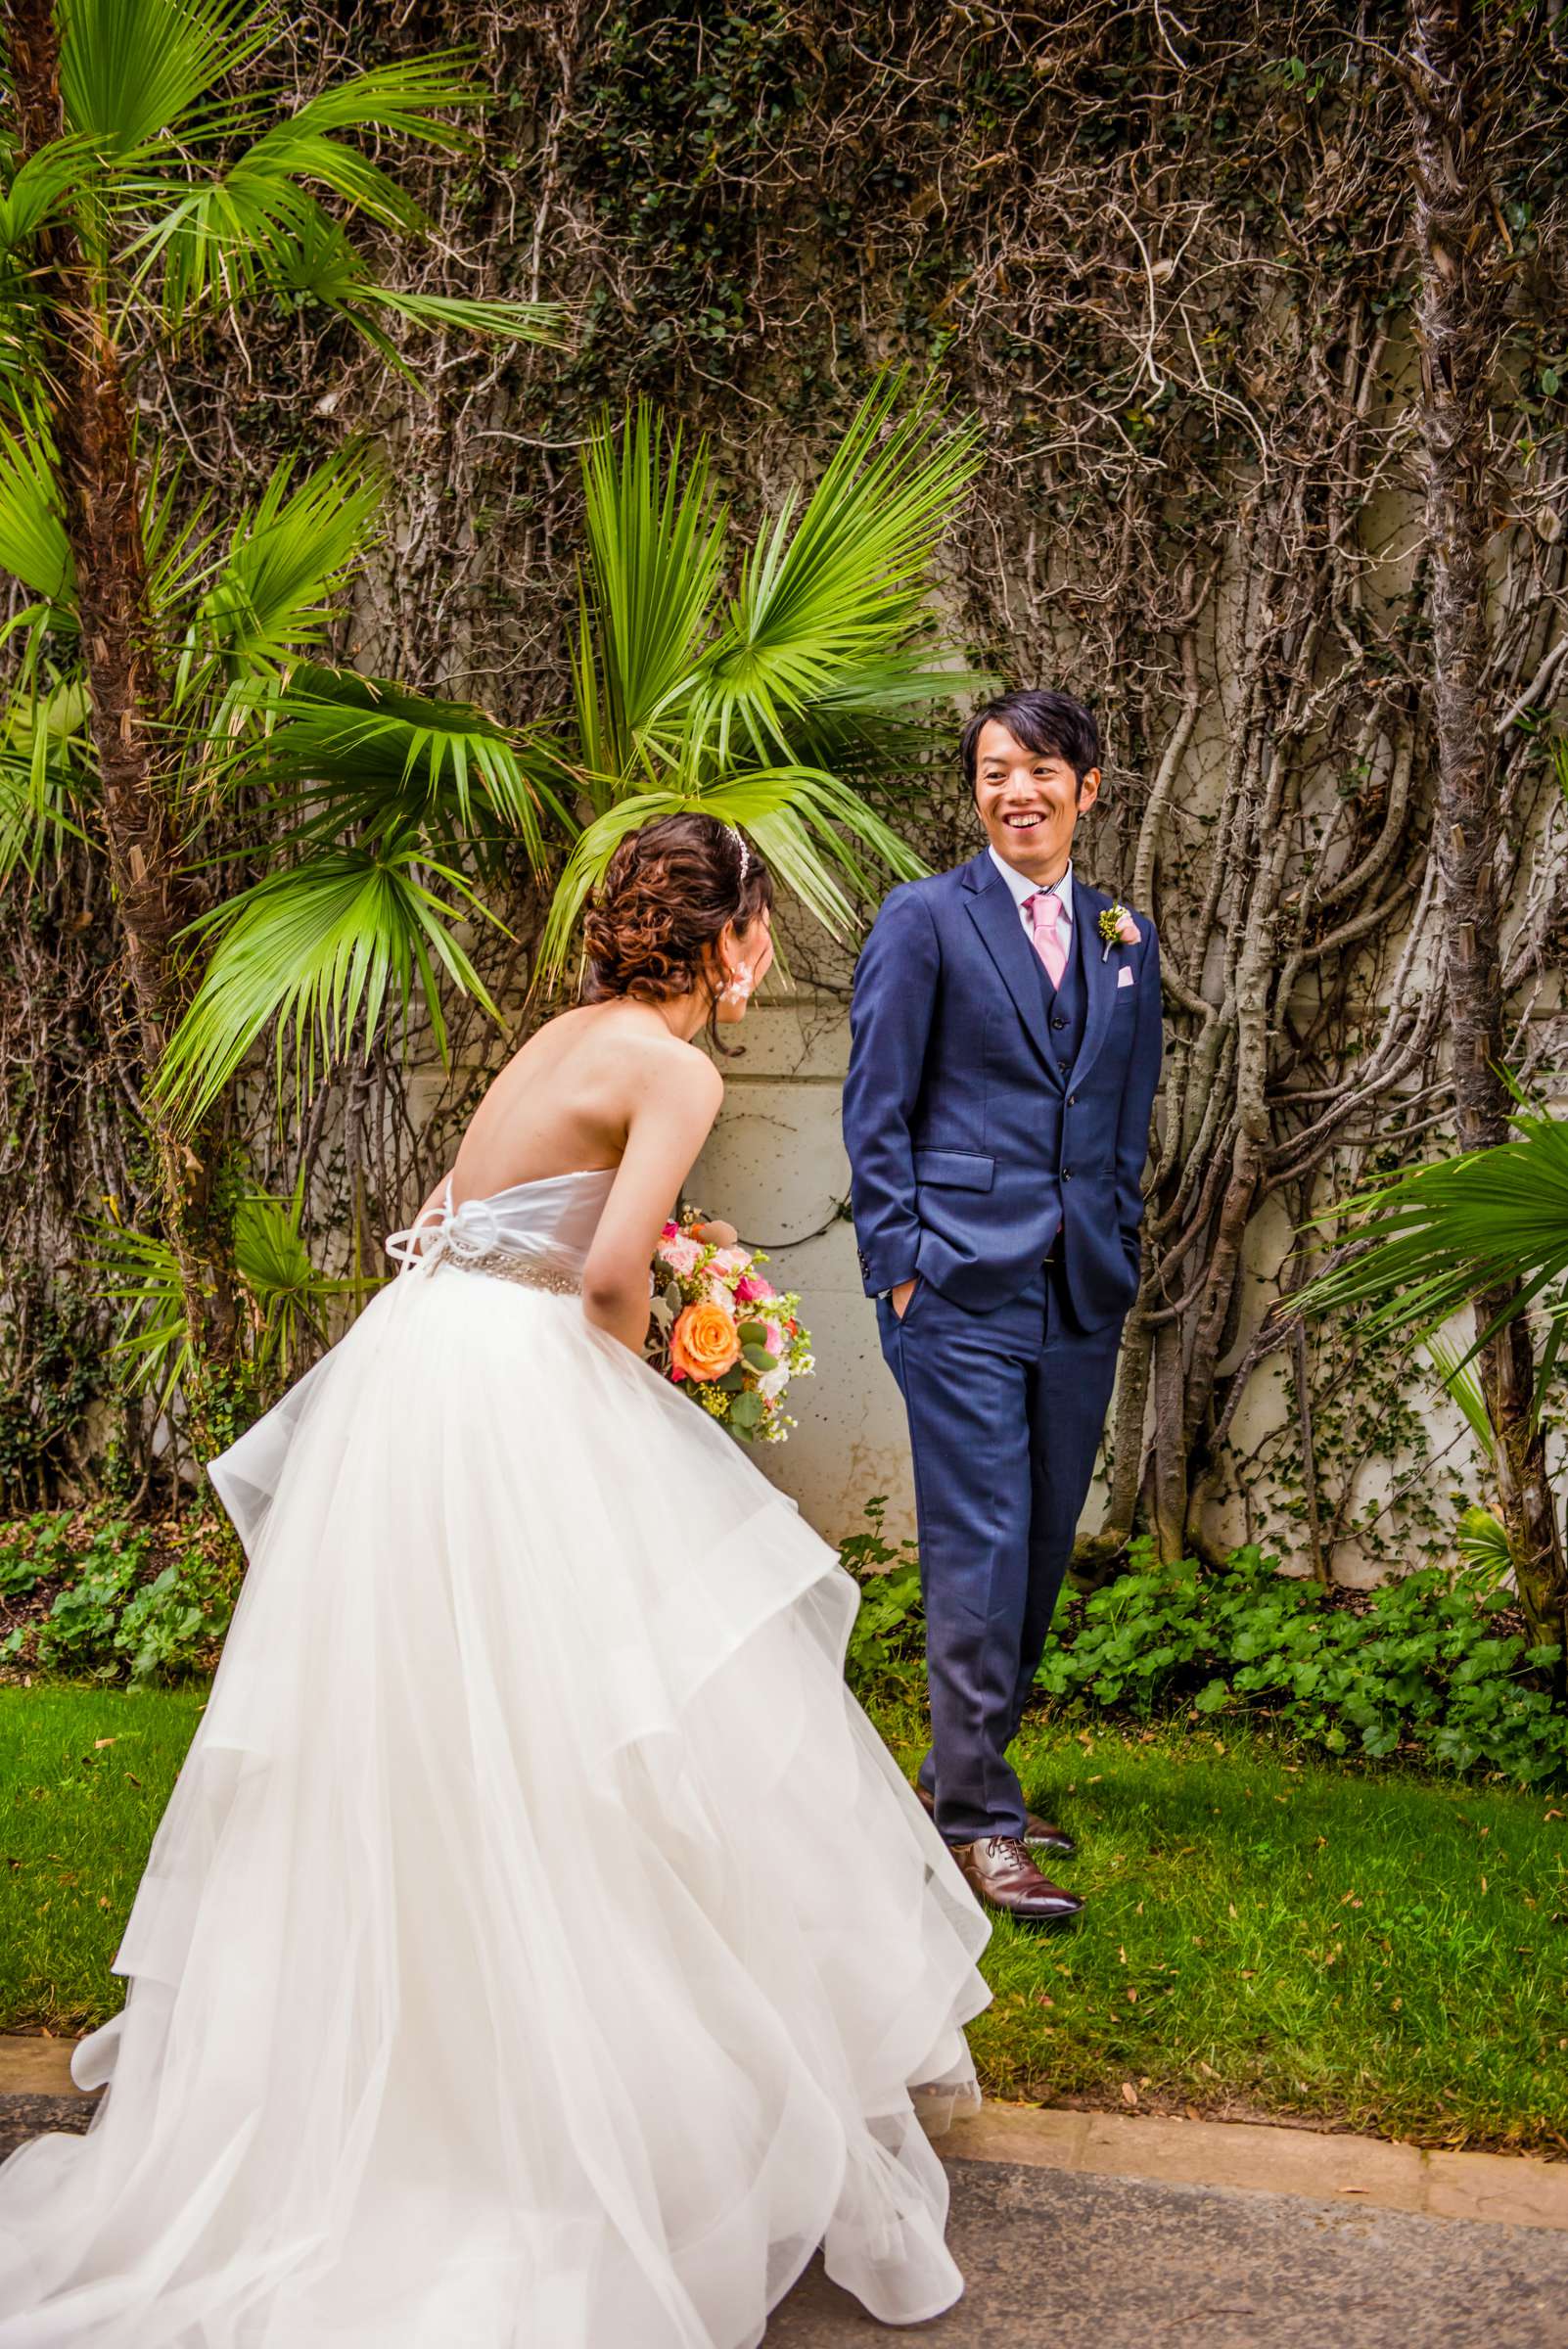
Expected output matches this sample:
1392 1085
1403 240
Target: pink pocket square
1123 977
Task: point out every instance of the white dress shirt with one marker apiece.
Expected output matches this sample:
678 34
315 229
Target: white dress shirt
1023 889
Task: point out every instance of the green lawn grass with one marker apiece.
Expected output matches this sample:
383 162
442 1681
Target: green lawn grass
1269 1934
1264 1934
85 1776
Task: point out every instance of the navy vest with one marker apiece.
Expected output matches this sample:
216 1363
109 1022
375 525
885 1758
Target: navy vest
1064 1008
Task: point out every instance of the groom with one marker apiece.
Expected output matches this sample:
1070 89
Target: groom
1005 1051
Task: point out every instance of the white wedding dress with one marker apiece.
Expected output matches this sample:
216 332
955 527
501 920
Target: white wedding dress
540 1948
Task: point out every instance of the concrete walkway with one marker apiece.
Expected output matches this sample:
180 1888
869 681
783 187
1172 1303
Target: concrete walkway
1091 2231
1060 2259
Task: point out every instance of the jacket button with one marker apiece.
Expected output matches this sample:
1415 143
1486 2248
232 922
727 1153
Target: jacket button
1072 1100
1057 1020
1067 1174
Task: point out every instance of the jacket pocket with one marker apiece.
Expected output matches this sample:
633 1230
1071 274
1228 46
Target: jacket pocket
957 1169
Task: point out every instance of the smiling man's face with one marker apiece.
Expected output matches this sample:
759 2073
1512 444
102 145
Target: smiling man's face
1029 802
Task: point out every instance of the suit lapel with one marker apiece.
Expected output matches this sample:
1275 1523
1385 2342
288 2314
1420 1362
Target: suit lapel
994 914
1100 977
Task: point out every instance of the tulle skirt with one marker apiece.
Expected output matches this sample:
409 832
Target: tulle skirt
540 1945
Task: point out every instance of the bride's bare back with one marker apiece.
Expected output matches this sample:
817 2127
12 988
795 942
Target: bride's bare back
606 1086
565 1102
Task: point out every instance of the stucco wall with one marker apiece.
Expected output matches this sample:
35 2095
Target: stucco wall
775 1166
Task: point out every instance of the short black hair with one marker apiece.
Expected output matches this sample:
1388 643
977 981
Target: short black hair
1041 721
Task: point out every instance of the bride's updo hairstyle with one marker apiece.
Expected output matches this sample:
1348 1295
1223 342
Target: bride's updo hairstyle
653 926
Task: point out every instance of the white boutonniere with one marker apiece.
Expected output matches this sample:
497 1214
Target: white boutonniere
1118 928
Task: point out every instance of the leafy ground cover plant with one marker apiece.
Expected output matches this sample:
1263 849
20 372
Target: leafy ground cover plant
86 1593
1437 1666
887 1644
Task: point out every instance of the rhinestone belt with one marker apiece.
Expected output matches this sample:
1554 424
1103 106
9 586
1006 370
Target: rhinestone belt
502 1263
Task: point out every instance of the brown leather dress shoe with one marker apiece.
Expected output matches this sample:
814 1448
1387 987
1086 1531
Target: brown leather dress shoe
1039 1833
1001 1874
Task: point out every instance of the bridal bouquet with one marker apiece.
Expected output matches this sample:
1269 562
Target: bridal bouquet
722 1331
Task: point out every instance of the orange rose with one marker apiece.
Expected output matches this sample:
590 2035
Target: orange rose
705 1341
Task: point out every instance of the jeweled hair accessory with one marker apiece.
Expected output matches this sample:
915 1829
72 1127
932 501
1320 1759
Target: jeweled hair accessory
742 850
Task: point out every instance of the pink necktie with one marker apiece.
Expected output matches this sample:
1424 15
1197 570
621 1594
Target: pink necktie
1043 907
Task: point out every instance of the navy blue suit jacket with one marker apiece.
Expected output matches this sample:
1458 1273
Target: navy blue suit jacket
968 1149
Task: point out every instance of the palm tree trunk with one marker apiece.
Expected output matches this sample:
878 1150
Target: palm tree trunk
1458 318
101 493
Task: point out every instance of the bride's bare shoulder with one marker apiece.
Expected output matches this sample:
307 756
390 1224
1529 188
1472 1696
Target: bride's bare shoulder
600 1036
665 1062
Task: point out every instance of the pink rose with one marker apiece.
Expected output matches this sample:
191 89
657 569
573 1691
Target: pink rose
730 1260
680 1255
670 1231
774 1340
1128 931
753 1288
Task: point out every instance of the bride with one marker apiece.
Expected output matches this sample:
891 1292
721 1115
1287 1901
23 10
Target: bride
539 1946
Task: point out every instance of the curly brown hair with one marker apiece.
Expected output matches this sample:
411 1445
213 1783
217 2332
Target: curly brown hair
665 896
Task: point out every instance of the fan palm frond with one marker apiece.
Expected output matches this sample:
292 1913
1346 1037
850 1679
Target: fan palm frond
759 711
130 68
273 594
833 602
254 229
288 1296
180 543
1459 1377
44 753
321 266
42 187
220 242
1482 1542
218 237
656 549
222 238
280 1276
318 950
33 546
1439 1236
403 100
361 753
485 319
139 1278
